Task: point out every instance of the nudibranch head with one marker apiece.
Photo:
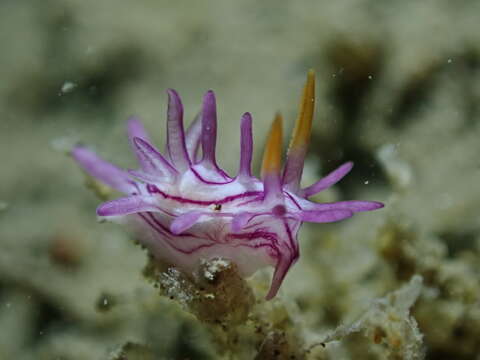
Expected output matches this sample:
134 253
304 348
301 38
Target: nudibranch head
184 209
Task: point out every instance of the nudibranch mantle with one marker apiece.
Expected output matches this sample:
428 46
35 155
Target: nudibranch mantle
184 209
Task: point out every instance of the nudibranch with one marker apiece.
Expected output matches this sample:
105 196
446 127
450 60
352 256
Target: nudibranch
185 209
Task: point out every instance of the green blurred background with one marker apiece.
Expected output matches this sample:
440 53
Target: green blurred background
398 90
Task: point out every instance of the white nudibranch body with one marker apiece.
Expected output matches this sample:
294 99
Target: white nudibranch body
185 210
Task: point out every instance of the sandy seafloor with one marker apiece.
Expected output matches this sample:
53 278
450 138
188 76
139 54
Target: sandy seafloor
398 92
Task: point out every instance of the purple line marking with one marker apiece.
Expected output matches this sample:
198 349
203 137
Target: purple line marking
152 189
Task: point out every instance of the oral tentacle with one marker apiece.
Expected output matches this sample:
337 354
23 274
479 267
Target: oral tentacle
104 171
352 205
127 205
326 216
327 181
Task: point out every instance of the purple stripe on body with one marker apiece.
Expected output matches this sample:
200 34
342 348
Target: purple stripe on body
272 237
167 229
152 189
293 200
153 223
293 245
219 171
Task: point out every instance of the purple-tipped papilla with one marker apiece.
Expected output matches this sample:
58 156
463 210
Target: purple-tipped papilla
185 209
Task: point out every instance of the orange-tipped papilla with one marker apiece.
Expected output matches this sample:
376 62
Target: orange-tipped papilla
272 156
272 160
297 150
